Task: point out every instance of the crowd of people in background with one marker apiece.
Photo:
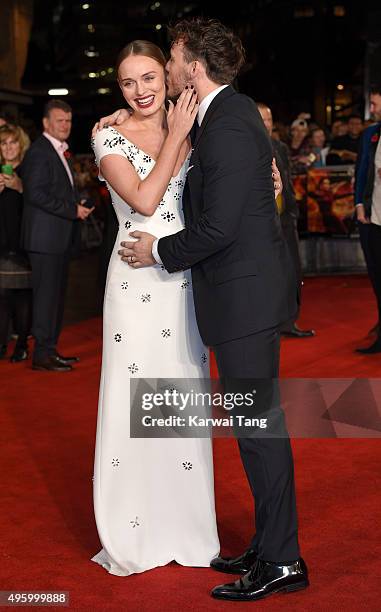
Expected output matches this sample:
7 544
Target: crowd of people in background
303 145
314 146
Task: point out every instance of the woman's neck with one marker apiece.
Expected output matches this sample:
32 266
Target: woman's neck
14 163
157 121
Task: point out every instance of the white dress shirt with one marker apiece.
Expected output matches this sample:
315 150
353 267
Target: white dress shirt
60 148
204 105
206 102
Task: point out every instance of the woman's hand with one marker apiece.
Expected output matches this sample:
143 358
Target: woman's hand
116 118
12 182
180 118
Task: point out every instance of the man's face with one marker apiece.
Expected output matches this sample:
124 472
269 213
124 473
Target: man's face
267 118
355 126
318 138
342 129
335 130
58 124
375 106
177 70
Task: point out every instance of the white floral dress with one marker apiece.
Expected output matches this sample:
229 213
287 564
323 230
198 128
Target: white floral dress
153 498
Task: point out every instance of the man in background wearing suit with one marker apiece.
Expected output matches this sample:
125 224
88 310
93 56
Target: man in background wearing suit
288 217
51 210
368 205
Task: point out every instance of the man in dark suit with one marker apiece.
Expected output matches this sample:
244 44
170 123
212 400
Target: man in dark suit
368 205
344 149
51 211
288 211
243 284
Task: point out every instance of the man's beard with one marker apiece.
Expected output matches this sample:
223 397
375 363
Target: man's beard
173 98
174 95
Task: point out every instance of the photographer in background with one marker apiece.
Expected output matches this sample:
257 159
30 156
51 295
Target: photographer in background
15 273
301 156
51 212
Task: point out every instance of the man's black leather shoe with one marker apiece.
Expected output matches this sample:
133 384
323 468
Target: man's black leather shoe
263 580
67 359
295 332
19 354
51 364
235 565
373 348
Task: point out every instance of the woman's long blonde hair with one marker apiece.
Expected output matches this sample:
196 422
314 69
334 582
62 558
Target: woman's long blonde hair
18 133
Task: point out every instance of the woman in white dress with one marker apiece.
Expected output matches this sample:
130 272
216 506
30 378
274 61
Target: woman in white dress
153 498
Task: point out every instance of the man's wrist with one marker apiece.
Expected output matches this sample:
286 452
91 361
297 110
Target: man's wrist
155 251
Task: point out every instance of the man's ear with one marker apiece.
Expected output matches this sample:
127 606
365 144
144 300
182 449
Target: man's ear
45 123
197 70
194 68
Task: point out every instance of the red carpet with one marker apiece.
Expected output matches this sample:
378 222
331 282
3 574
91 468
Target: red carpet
47 436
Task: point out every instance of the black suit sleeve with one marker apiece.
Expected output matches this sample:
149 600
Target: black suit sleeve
361 169
37 183
283 150
229 153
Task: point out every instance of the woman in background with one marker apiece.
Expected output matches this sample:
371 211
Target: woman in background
300 147
15 274
319 149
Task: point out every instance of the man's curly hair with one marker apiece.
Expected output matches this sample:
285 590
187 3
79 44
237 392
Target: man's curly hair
212 43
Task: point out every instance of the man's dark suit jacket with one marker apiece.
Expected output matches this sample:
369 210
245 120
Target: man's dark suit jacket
289 214
365 167
282 160
49 201
243 280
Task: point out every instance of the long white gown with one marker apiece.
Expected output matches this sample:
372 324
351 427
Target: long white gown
153 498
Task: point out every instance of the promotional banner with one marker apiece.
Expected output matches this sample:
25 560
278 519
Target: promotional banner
326 200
